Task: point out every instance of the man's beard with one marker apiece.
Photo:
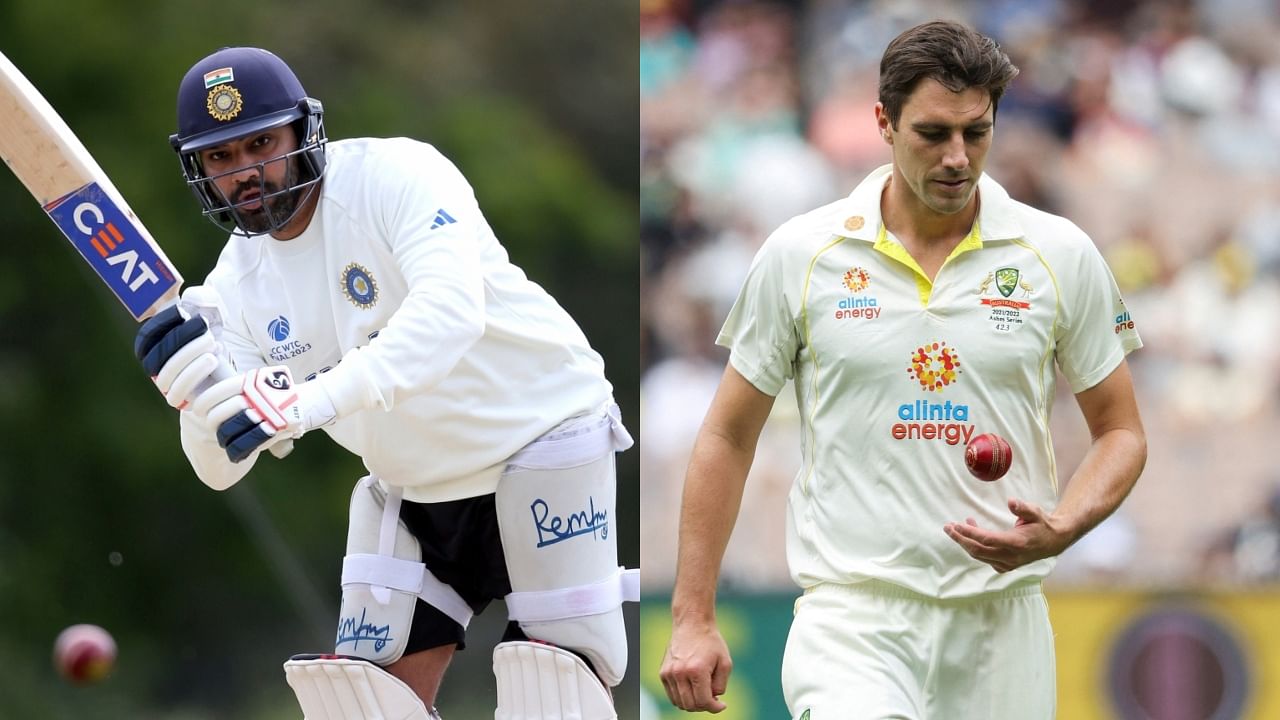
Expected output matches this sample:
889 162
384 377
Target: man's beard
274 210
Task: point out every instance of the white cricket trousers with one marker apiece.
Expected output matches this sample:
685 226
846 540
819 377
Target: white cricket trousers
876 651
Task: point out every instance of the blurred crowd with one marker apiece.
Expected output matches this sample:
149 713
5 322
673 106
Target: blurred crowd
1154 126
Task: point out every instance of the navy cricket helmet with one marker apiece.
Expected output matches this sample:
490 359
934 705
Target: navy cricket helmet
233 93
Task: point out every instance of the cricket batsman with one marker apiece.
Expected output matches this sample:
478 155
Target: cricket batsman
361 292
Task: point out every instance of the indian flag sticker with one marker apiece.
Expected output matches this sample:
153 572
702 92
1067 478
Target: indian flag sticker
217 77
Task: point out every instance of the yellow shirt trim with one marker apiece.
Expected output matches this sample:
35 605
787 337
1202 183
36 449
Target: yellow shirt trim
924 286
812 443
1042 404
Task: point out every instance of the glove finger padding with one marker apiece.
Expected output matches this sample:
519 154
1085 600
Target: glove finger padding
169 344
243 434
213 403
180 357
182 388
215 406
156 327
238 425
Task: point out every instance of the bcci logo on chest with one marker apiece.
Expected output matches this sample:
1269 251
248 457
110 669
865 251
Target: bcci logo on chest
359 287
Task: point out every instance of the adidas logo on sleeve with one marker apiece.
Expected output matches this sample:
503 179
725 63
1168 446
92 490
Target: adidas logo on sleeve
442 218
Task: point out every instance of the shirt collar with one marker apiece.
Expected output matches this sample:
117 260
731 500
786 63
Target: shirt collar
860 212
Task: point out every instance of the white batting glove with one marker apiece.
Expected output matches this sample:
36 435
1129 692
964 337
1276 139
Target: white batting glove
261 408
178 352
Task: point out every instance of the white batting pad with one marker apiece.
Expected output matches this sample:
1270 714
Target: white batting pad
343 688
557 528
383 577
544 682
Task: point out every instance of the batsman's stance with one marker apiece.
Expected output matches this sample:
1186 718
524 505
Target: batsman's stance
362 292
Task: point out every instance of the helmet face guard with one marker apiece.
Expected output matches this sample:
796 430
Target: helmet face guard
279 203
236 93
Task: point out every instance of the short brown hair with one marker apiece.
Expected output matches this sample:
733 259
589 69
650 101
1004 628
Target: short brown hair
948 52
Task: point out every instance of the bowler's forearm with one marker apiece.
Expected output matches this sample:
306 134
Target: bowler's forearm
1103 480
712 496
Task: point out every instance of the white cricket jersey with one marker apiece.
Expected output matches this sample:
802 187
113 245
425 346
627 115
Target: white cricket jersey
441 357
894 374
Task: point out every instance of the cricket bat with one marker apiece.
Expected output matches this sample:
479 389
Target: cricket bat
80 199
77 195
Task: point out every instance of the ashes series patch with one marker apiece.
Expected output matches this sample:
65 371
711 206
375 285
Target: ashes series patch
359 286
1007 307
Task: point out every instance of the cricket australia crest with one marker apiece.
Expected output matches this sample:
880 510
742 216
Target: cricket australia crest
1006 312
1007 280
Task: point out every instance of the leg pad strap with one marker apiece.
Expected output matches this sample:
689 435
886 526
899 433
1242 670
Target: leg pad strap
574 602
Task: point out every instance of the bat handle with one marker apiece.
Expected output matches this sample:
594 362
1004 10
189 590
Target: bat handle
222 372
281 449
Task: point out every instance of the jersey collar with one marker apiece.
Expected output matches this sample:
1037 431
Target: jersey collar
859 217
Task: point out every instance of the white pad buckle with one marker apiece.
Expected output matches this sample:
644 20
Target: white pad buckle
573 602
384 573
338 687
544 682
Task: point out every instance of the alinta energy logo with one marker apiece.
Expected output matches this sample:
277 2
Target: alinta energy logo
1123 321
857 306
934 367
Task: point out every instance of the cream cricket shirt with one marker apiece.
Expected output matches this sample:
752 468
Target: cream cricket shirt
440 356
893 375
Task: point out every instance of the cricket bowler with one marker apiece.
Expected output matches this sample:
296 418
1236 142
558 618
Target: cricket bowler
924 311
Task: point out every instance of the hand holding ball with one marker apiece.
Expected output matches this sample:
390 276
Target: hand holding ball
988 457
84 654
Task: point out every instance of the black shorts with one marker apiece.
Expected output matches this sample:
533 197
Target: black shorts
462 548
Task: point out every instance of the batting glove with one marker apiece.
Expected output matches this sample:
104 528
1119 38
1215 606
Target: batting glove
261 408
178 352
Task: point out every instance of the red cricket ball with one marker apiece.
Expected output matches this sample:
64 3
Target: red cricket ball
988 457
84 654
